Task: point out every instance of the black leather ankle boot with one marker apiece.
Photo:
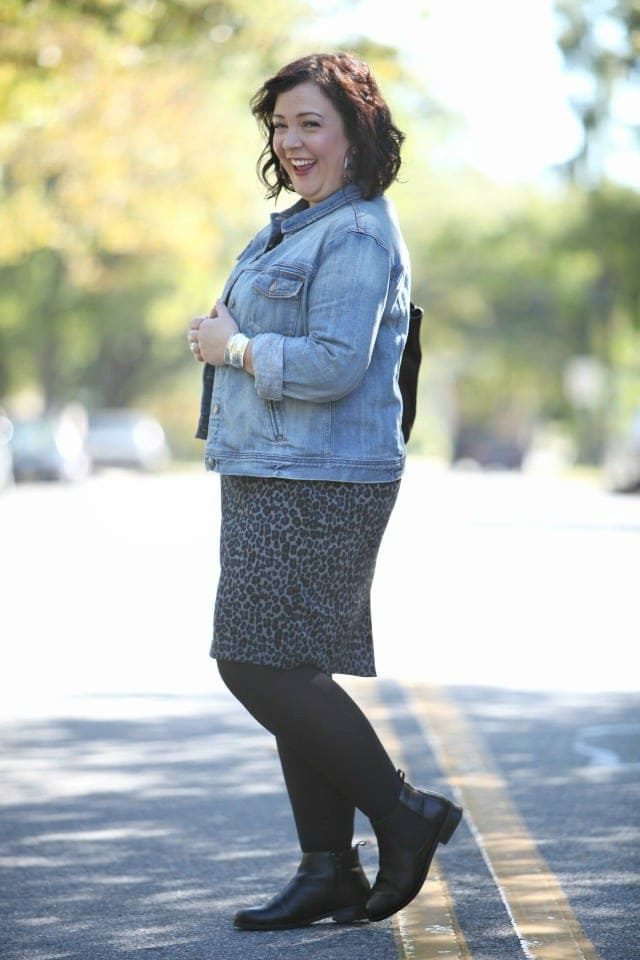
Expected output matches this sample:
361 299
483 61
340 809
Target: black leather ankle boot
326 884
407 841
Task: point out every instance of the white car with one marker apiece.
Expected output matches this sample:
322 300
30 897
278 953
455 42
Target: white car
49 448
127 438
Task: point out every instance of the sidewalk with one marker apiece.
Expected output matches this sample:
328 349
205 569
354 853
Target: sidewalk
138 826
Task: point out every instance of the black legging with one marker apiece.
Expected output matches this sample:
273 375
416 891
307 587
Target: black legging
332 759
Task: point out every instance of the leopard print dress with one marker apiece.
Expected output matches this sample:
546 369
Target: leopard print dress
297 559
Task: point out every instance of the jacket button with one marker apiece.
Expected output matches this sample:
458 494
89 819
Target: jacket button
215 408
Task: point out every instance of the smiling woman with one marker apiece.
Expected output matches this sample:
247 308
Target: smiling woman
345 105
310 142
304 420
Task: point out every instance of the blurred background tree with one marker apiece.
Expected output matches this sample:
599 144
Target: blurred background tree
128 186
525 288
125 186
600 41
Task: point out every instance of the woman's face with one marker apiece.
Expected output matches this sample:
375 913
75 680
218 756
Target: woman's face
309 141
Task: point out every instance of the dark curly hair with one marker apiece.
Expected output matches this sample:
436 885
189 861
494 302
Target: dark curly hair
350 86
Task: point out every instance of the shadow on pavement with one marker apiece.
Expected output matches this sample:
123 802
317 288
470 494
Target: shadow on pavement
142 837
570 763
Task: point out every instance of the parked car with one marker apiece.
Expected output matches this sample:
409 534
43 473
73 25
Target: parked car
622 458
127 438
49 448
488 449
6 452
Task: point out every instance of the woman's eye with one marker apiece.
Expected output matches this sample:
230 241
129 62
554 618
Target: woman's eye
278 126
311 123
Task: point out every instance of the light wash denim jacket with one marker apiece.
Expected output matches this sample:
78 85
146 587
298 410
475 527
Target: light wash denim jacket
324 293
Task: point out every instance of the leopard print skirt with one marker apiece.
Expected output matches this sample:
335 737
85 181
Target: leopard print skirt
297 559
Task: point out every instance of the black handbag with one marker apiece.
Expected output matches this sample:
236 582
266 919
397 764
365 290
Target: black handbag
409 370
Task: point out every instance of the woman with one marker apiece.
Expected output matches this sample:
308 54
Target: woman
303 422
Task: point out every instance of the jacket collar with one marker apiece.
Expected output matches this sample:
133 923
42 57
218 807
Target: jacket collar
301 214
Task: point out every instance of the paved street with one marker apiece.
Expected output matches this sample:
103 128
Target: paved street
140 805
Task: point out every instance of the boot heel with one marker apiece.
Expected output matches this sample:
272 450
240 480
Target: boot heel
349 914
453 818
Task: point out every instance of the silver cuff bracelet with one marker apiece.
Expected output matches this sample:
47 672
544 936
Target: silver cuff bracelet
235 349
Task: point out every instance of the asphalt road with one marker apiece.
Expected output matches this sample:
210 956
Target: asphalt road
140 806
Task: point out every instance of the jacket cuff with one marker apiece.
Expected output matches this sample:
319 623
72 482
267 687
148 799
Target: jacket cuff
267 354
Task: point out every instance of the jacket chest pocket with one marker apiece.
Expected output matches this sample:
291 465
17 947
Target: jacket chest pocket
275 304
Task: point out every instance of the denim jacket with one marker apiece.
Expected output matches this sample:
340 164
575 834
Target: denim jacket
323 291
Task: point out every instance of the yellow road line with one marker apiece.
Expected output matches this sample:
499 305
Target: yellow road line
540 912
427 928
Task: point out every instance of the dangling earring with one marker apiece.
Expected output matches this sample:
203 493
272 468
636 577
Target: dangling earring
348 166
282 173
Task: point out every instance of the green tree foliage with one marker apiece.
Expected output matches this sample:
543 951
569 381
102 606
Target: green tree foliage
514 289
127 181
517 285
600 41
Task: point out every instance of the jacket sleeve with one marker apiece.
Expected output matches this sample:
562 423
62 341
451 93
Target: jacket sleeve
346 300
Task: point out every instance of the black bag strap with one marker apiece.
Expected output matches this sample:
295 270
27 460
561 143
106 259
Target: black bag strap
409 369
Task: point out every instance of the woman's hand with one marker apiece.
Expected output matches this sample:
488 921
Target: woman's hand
192 338
208 336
